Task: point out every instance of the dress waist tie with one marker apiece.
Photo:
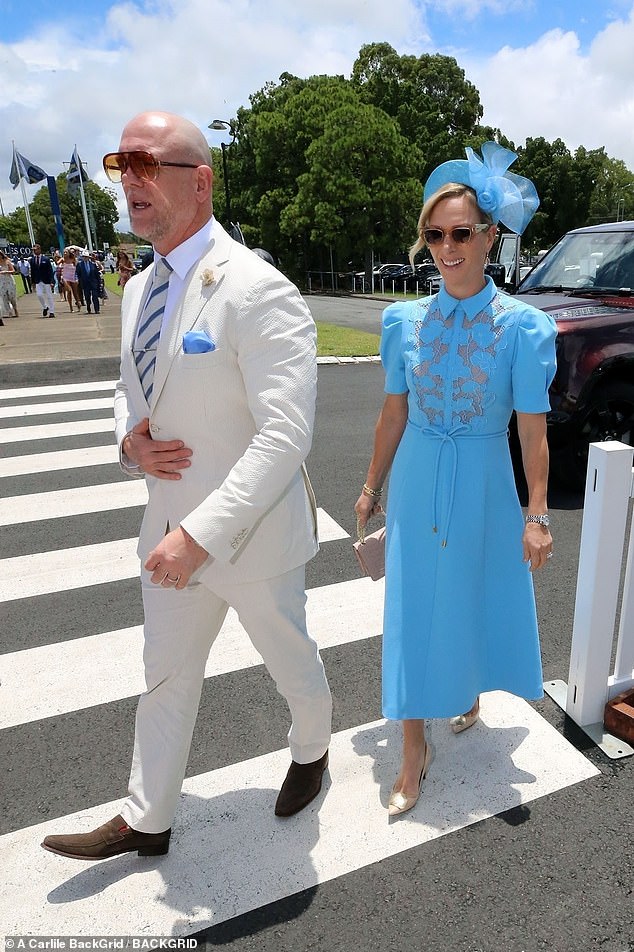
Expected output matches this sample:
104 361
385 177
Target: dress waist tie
447 442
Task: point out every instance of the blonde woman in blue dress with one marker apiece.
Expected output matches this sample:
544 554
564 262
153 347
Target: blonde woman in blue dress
460 613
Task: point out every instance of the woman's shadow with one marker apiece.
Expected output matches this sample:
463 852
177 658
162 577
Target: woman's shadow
470 777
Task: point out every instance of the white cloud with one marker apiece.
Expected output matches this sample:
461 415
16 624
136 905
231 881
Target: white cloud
200 58
203 58
554 89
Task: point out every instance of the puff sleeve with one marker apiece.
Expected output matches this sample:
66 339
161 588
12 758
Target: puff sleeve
534 361
392 356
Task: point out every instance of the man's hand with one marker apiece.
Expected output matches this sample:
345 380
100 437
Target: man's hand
160 458
175 559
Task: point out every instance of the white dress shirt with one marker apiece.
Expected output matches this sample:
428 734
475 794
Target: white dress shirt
182 259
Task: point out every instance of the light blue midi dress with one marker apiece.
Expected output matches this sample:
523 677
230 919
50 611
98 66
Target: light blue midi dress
460 614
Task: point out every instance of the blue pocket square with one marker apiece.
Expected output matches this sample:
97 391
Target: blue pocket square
197 342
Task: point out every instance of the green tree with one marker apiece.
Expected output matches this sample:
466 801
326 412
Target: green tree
269 154
101 202
612 196
315 170
551 167
435 106
305 177
574 190
14 228
359 192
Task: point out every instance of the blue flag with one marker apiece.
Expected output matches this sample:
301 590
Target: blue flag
75 170
22 168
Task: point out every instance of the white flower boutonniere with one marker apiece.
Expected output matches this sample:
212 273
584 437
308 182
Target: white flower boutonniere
207 278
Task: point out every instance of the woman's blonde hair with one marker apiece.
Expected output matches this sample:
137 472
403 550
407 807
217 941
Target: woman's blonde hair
449 190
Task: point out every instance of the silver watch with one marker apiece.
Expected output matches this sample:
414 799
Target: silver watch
541 520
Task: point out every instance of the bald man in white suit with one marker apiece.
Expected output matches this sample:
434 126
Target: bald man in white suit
221 440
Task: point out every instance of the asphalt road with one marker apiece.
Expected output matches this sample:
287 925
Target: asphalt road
363 314
552 874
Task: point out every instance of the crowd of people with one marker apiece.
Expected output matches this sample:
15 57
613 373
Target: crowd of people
75 275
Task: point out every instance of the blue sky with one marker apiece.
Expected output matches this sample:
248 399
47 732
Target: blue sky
521 24
75 74
495 24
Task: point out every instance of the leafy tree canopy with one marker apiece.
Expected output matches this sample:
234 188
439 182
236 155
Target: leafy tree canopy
435 106
315 166
100 203
331 169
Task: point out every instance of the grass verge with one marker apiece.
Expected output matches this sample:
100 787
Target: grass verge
110 281
335 341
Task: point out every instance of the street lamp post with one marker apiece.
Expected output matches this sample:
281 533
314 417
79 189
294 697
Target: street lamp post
620 205
218 125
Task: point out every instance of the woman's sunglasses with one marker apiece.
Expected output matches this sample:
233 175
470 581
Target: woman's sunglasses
141 164
459 235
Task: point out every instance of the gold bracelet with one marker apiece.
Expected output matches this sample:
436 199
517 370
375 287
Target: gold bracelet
374 493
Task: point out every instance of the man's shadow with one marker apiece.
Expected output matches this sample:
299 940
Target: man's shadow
230 858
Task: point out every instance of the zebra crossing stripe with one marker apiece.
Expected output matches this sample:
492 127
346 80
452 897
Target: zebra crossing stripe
63 406
51 431
57 504
61 570
60 503
64 459
229 854
56 679
52 390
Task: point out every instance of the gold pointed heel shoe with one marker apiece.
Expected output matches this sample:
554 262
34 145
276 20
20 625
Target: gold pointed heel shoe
464 721
398 802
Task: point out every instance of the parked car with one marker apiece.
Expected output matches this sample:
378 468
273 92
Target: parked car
426 277
360 283
586 282
398 278
418 280
383 270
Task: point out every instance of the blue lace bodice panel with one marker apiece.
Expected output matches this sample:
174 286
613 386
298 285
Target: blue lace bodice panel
468 364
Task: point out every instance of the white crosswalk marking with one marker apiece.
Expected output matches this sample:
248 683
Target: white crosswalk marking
56 679
64 406
60 503
25 576
53 462
221 862
49 391
20 434
229 853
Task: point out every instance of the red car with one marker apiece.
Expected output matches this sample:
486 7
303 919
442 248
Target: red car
586 282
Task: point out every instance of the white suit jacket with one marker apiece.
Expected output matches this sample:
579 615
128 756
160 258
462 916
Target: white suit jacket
245 409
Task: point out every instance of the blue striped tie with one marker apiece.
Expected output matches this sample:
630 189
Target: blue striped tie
149 330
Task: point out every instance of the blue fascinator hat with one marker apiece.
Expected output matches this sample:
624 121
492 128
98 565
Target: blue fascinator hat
505 196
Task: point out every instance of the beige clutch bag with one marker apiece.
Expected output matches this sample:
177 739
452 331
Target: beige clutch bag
370 553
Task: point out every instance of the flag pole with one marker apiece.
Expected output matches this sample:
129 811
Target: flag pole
27 213
83 199
29 224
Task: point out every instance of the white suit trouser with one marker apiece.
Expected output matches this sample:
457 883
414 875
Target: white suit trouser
45 296
180 628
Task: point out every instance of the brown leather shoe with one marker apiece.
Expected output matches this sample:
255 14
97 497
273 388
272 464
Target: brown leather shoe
111 839
301 786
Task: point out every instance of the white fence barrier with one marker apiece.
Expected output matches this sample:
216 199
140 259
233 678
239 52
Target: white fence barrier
609 487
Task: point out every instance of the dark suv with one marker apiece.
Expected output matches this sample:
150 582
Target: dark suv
586 282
